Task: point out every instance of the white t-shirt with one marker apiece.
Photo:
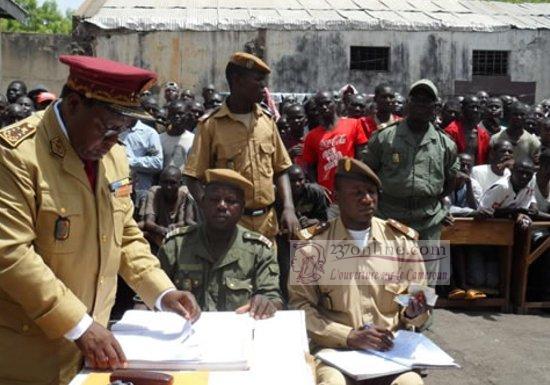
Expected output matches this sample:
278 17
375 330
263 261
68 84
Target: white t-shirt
176 148
485 176
360 237
543 203
501 195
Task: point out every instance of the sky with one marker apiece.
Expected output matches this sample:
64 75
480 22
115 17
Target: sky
63 5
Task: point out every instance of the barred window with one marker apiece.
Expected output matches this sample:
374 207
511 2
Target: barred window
490 63
370 58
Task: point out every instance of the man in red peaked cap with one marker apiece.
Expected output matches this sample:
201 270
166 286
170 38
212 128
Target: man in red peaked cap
67 229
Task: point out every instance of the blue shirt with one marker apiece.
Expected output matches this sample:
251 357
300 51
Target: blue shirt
144 153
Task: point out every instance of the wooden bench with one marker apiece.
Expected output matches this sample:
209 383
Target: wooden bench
490 232
525 257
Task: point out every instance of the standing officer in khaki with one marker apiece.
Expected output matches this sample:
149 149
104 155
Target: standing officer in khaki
243 137
67 229
417 165
336 314
226 266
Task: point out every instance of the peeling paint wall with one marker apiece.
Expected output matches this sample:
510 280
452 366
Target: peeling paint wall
33 58
312 60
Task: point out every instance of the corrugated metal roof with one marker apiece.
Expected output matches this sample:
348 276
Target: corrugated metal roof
11 10
249 15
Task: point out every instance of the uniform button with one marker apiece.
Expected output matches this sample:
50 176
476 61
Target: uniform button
25 328
103 237
231 285
101 280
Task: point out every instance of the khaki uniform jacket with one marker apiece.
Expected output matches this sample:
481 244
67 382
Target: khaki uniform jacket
256 152
413 172
47 284
249 267
332 311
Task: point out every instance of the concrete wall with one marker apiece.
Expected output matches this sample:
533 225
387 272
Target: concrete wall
308 61
33 58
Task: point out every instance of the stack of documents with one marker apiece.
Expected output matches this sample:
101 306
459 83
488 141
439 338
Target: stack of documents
165 341
410 351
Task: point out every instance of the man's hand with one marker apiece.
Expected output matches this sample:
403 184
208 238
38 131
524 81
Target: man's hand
448 220
259 307
372 337
182 303
101 349
290 222
523 221
417 305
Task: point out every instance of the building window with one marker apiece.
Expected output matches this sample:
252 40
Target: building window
490 63
370 58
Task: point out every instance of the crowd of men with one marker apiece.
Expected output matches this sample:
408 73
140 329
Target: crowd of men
222 183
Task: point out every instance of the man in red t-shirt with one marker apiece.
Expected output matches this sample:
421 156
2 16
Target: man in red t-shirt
384 97
466 132
332 140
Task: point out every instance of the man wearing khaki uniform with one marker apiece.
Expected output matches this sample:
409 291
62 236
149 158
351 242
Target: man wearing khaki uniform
337 315
241 136
67 229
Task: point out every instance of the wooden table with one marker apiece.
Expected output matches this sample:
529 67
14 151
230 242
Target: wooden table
525 257
490 232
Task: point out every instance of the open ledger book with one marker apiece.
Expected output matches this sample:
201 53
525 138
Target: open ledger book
166 341
410 351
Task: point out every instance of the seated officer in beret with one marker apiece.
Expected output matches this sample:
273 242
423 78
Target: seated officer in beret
67 232
349 314
226 266
241 136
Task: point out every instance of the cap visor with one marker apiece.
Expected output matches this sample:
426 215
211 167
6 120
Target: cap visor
132 112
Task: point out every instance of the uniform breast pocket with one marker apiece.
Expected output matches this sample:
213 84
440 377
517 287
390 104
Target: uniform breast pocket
229 156
266 159
238 292
59 225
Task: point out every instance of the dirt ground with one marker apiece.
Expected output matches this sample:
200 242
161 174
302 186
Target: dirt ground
492 348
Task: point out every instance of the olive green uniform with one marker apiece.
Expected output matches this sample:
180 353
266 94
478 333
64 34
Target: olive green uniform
414 170
247 268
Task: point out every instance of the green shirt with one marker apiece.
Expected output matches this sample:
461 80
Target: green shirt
414 170
247 268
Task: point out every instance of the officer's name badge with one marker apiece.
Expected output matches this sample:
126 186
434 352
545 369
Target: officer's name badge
395 157
121 188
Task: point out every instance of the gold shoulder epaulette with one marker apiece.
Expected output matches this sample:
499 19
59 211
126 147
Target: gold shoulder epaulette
13 135
209 113
405 230
250 236
311 231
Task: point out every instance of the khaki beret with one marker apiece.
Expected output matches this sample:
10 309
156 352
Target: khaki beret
355 169
249 61
229 177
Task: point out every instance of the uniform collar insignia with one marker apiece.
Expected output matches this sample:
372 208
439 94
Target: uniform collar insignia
57 147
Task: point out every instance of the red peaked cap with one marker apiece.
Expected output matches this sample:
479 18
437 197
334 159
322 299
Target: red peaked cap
108 81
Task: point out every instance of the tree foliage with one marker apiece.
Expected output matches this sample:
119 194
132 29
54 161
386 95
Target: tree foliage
45 18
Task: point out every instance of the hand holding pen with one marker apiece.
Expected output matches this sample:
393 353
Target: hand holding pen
370 337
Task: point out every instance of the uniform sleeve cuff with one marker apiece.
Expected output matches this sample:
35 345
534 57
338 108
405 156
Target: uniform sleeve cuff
151 284
76 332
338 334
158 302
68 312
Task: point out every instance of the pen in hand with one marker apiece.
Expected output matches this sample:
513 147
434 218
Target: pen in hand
370 336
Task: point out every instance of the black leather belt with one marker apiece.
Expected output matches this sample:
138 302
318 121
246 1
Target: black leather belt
257 212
